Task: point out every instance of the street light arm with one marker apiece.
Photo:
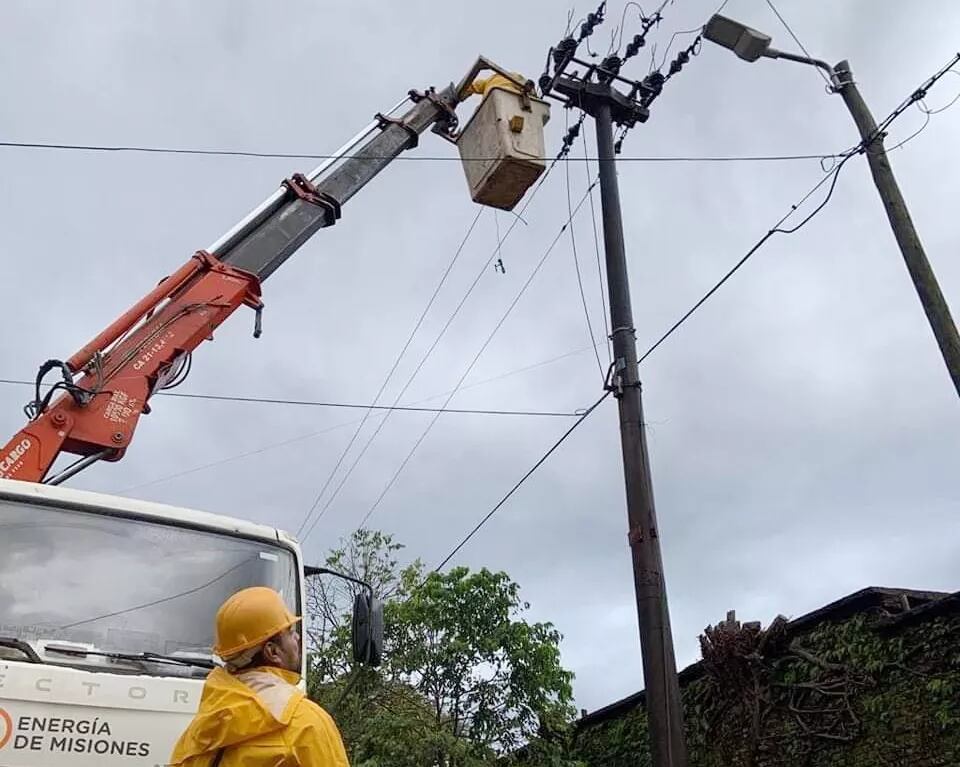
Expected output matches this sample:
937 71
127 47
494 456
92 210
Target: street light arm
773 53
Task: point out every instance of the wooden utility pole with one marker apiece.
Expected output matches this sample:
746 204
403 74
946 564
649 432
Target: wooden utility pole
593 90
924 280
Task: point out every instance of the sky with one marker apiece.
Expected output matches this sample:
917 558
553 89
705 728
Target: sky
804 435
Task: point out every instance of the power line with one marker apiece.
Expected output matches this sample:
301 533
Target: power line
775 230
388 408
581 350
596 245
576 262
404 158
489 515
476 358
346 405
797 41
674 36
486 517
917 96
311 435
393 368
236 457
483 270
926 110
623 20
831 176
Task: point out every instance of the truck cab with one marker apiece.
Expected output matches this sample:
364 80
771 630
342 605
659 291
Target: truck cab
106 619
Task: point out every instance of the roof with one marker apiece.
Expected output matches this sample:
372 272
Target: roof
82 500
944 606
910 603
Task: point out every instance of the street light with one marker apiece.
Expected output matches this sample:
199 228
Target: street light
751 45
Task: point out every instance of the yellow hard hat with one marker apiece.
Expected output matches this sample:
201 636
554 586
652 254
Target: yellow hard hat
249 618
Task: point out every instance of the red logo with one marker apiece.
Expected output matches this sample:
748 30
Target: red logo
6 727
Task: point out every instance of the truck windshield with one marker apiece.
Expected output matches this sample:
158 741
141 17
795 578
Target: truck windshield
125 585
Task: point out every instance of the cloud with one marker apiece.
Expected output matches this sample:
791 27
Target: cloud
803 432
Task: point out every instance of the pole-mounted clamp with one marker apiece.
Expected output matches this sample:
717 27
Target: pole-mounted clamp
303 189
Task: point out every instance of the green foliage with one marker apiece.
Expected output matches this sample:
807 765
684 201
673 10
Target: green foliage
369 555
902 689
496 678
389 724
621 742
465 678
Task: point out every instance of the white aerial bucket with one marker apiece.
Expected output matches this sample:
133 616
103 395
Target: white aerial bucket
502 147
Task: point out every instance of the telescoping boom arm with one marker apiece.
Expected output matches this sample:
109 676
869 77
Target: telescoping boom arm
148 348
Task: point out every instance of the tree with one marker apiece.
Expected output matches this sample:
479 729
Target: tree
369 555
465 678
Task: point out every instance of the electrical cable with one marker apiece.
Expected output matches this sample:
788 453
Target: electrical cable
918 95
344 405
828 175
426 356
576 264
284 155
802 46
496 233
928 113
235 457
623 19
924 108
393 369
832 177
311 435
916 133
475 359
834 174
600 274
489 515
695 30
183 372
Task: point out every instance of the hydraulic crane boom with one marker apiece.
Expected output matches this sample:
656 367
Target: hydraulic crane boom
148 347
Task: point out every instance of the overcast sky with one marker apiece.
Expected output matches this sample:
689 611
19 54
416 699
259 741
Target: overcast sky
803 431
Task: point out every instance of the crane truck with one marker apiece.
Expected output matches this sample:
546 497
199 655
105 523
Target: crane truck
107 603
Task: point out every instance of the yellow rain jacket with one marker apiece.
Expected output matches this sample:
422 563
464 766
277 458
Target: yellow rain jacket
259 719
496 80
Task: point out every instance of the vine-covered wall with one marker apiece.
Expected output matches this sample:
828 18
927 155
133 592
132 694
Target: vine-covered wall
862 692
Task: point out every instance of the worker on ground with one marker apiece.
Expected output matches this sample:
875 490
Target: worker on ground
251 713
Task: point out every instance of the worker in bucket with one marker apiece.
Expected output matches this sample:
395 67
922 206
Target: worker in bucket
251 712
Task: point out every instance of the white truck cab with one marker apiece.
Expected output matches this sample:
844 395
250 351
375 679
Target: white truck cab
107 607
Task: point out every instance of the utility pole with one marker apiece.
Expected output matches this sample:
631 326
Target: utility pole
592 89
751 45
924 280
664 712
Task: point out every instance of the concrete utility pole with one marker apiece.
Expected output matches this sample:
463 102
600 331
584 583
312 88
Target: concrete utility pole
592 90
751 45
924 280
664 713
